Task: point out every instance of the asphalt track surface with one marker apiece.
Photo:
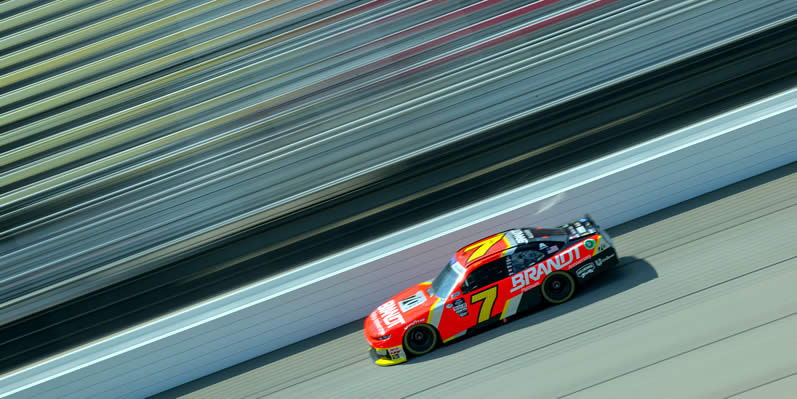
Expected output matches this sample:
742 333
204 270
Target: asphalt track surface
702 304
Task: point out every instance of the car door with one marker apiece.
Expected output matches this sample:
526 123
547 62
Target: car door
483 294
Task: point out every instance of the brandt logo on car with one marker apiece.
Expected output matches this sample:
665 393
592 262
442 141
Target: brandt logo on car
530 276
390 314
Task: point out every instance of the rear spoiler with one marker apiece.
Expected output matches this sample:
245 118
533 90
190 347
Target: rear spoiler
580 228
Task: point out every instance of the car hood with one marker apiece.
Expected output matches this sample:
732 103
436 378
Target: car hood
406 308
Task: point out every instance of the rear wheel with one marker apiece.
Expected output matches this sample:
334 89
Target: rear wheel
420 339
558 287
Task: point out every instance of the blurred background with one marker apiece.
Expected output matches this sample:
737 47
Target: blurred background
155 154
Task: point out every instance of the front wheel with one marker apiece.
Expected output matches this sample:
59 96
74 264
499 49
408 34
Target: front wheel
558 287
420 339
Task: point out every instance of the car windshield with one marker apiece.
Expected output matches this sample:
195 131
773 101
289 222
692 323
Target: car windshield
444 282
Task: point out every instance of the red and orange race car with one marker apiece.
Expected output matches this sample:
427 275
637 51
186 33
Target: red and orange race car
486 282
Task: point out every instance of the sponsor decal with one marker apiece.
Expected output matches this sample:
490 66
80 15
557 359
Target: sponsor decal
460 307
552 249
543 246
600 261
589 244
508 261
519 237
395 352
524 279
375 320
583 271
412 301
449 305
390 314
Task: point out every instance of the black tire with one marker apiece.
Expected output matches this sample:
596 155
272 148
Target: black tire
420 339
558 287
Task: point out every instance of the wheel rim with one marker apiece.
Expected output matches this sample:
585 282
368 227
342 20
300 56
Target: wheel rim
558 287
420 339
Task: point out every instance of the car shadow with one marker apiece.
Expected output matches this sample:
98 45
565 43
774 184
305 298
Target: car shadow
627 274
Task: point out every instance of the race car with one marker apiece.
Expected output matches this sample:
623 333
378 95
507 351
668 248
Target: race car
486 282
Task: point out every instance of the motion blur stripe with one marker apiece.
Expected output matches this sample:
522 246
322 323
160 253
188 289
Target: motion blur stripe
21 14
113 15
512 35
360 72
449 17
37 127
473 29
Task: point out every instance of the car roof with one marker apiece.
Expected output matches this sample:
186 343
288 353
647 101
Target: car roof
498 245
486 248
